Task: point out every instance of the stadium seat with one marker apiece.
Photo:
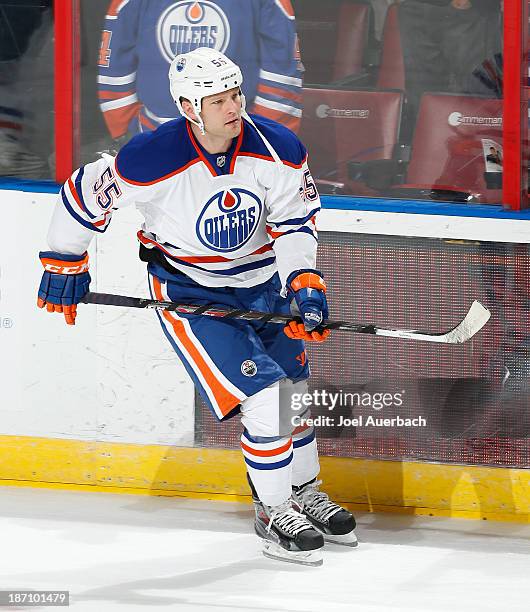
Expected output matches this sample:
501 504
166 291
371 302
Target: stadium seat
333 39
350 134
391 68
452 138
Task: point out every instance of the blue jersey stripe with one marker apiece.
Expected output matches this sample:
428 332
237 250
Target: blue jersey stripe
300 221
301 230
79 189
78 218
254 265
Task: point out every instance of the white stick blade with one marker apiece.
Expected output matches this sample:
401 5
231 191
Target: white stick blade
473 322
477 316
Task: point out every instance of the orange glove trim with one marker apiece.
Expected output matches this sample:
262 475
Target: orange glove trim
58 266
308 280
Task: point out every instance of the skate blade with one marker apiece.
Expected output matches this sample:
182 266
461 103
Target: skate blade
347 539
301 557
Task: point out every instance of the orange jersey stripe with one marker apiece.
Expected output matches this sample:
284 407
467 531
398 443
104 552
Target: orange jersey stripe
274 234
219 259
75 194
103 221
268 158
199 258
225 400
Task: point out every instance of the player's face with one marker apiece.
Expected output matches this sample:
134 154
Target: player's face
221 114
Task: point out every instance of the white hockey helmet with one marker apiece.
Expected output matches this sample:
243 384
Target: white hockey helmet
200 73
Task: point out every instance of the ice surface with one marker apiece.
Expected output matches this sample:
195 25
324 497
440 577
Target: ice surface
125 552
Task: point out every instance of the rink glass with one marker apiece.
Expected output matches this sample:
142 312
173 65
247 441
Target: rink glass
26 89
400 102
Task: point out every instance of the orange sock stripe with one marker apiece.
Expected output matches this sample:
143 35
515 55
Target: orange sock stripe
267 453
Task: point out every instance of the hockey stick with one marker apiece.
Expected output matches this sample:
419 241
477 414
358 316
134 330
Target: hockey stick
473 322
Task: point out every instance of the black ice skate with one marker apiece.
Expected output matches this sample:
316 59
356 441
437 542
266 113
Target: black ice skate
334 522
287 535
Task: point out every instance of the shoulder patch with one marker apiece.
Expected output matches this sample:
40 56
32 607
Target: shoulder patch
153 156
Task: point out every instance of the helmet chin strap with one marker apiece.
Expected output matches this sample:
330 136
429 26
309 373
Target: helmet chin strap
199 123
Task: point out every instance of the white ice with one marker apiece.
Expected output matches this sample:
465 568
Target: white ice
126 552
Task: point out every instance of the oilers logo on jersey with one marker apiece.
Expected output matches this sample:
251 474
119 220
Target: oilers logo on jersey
229 219
187 25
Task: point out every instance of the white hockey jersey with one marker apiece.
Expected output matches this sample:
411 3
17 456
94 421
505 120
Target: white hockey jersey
230 220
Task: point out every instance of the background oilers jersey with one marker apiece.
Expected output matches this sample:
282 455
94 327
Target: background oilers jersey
229 226
141 37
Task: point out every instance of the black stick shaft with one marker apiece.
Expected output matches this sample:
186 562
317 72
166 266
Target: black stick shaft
109 299
474 320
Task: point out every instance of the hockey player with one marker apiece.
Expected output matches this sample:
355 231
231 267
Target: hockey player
229 207
141 38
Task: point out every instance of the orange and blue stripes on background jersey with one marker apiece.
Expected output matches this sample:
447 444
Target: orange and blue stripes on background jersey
11 119
279 97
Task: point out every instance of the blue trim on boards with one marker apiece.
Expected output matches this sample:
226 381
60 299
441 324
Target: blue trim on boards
411 207
12 183
422 207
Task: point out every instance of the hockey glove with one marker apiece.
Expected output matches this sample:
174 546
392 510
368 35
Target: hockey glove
64 283
307 291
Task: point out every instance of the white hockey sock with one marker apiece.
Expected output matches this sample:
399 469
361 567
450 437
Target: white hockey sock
269 464
305 456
